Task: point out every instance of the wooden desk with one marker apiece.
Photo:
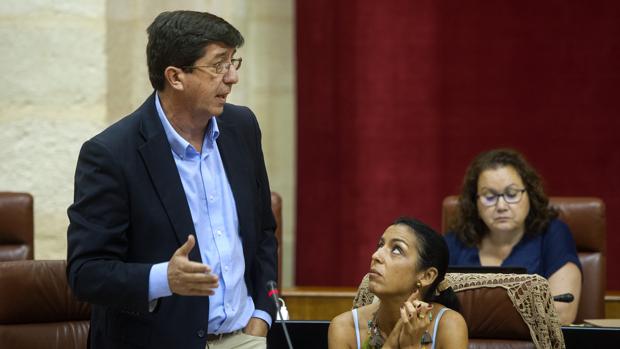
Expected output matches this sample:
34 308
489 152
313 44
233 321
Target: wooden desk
317 303
323 303
612 304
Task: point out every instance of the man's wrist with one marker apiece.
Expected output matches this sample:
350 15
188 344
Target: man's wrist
263 315
158 281
256 327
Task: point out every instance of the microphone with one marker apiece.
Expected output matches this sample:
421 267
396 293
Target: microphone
272 289
564 297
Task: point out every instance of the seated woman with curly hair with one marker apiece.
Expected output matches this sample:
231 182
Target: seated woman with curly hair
504 219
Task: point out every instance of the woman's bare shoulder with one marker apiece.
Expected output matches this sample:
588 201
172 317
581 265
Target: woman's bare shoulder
452 331
342 328
347 317
343 319
341 331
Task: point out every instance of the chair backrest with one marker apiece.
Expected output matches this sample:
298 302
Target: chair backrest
37 308
501 310
276 207
16 226
585 217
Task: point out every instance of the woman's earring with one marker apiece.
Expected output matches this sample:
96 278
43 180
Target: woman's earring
418 284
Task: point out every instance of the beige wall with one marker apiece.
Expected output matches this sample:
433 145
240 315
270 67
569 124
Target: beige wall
73 67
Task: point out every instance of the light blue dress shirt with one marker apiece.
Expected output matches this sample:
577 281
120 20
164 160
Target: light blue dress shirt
214 214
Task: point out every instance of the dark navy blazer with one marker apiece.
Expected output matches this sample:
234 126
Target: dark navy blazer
130 212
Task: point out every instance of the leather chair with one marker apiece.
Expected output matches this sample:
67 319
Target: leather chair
493 319
585 217
16 226
37 308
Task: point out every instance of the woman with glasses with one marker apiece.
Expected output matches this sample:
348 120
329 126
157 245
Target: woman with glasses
504 219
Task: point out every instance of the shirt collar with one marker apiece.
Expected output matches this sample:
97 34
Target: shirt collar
179 145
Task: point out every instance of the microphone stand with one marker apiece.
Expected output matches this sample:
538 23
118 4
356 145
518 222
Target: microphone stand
288 339
273 293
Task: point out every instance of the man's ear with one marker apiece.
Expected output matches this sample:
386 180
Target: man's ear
175 77
429 276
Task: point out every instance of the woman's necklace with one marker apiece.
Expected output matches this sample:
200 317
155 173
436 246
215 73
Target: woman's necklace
376 340
374 333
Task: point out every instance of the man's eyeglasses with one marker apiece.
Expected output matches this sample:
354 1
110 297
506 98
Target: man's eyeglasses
511 196
221 67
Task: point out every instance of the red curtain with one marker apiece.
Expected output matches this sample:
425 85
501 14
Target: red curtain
395 98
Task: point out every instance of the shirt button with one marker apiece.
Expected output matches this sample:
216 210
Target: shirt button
201 333
211 198
226 268
219 232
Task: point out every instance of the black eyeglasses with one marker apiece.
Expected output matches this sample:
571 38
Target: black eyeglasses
511 196
221 67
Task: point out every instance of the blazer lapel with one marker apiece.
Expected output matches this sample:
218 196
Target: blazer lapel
163 172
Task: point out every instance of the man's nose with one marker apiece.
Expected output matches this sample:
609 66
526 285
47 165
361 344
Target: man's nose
231 76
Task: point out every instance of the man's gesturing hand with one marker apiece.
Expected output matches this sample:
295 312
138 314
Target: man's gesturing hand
189 278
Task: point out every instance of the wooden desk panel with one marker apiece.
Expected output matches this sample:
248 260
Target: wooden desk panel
323 303
612 305
317 303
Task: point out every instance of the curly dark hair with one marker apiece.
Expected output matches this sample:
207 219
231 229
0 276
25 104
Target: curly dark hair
467 224
179 38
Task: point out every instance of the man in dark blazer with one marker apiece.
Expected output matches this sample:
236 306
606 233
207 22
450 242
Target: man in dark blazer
171 235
